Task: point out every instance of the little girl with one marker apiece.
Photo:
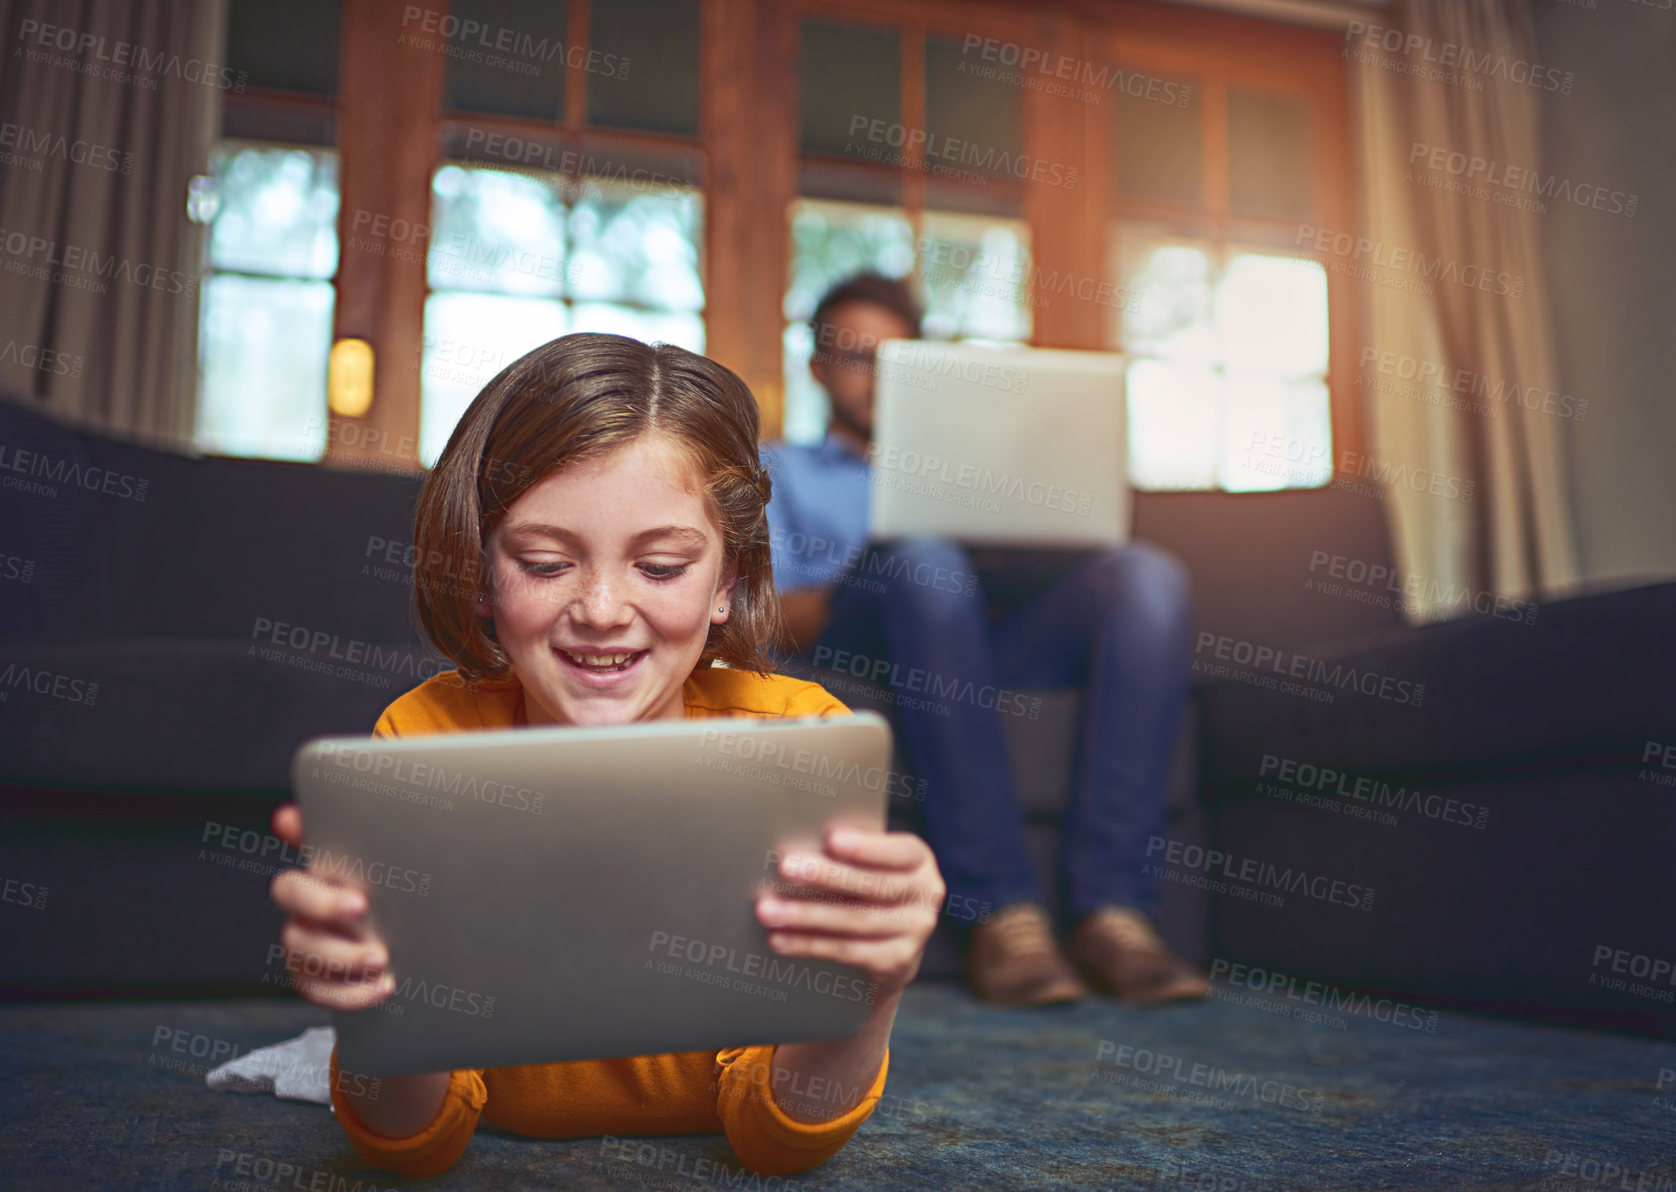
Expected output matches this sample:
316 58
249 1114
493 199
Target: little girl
591 544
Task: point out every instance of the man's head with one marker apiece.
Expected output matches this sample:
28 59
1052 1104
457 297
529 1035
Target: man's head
849 323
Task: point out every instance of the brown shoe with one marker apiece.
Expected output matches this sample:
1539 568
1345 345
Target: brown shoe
1120 953
1013 960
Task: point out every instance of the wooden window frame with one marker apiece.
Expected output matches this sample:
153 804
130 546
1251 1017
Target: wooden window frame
391 129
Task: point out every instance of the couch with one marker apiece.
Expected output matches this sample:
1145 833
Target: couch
173 625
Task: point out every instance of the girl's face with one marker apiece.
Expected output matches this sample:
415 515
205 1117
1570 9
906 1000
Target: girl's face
607 576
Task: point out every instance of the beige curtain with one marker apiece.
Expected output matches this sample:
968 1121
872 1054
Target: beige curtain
1514 537
108 116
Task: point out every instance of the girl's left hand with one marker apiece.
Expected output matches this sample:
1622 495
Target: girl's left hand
871 900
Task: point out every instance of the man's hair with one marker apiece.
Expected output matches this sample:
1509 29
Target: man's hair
579 397
874 289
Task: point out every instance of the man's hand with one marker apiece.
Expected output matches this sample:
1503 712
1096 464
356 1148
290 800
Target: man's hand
871 900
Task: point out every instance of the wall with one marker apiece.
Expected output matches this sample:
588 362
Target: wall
1612 275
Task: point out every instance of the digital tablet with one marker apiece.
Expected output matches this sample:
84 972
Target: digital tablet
552 894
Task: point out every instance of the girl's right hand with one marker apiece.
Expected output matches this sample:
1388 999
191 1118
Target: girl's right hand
334 957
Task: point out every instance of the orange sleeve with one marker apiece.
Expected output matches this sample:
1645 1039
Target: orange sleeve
815 700
434 1149
765 1139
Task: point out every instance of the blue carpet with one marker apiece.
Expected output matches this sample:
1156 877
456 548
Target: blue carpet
1218 1097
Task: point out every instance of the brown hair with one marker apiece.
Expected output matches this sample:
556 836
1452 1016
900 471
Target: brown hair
575 397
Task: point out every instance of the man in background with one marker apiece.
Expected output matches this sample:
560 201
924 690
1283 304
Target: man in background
1116 623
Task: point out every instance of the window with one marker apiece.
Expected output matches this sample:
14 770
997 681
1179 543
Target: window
942 207
1228 345
1225 325
970 273
519 258
265 319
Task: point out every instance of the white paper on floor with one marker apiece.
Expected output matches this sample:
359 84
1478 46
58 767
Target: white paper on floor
299 1069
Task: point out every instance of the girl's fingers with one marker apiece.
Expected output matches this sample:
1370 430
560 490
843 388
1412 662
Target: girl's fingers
322 955
340 996
829 876
307 896
849 919
288 824
885 960
901 851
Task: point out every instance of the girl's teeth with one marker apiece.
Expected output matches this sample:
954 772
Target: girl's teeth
600 661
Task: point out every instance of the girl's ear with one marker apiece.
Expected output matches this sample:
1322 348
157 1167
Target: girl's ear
481 604
723 606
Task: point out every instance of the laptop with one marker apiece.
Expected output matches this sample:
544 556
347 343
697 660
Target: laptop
552 894
1006 447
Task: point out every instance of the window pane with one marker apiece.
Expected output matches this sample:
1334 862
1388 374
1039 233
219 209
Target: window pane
631 245
1175 425
1268 155
468 339
649 326
1170 280
262 351
653 85
1158 145
851 77
512 63
976 275
1279 434
275 211
832 240
1271 315
806 406
497 231
289 47
978 122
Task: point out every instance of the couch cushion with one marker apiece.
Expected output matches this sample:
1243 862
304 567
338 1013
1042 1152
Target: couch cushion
183 715
1590 680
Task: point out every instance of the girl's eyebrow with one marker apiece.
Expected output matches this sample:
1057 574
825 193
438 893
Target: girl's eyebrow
541 529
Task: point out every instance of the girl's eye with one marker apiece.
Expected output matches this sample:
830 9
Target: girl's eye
664 570
544 570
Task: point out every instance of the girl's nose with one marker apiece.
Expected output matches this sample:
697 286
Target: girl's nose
600 603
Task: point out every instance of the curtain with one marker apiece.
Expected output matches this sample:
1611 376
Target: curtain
108 108
1446 110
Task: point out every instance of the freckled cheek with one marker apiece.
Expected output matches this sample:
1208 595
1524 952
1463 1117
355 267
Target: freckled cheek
678 620
526 608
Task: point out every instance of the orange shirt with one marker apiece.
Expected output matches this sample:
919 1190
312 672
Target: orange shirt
694 1092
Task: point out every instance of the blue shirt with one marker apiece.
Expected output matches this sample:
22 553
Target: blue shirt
817 518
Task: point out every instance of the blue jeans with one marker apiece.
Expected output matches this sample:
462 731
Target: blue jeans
1117 623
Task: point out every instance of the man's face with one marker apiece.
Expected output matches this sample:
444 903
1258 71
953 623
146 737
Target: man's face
843 360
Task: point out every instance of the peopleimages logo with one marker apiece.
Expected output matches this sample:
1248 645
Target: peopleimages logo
771 755
981 481
1506 178
1361 252
1311 777
67 471
1200 860
491 41
1327 997
718 960
1315 670
944 153
1429 374
1425 52
97 56
1169 1071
